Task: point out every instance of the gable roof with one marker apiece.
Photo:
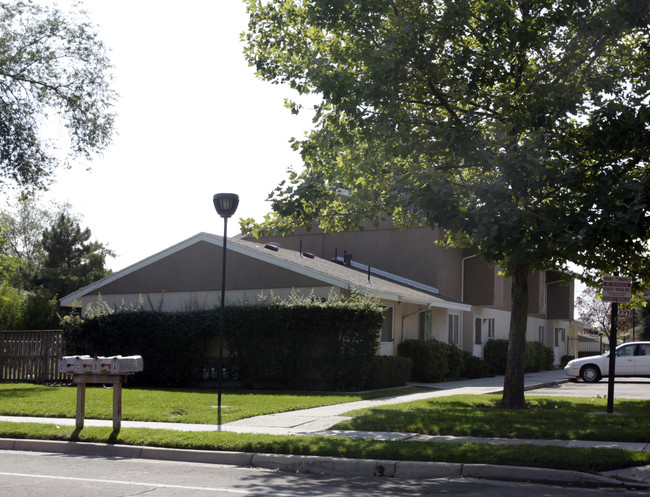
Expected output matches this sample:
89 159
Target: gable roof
328 272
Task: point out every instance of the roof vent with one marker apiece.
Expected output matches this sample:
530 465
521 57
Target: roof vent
308 255
272 246
347 258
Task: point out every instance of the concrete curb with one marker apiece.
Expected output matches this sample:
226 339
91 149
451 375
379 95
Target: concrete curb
368 468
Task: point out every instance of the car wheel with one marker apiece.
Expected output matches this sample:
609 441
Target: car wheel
590 374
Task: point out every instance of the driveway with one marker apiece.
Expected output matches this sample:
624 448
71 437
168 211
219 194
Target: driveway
624 388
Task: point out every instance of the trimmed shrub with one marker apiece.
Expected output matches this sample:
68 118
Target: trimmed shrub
539 357
495 353
455 362
291 344
388 371
428 358
475 367
169 343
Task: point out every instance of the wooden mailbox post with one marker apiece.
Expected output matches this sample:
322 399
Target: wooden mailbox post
100 370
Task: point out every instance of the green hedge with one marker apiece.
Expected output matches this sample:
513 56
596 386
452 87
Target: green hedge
428 359
495 354
169 343
388 371
302 346
433 361
294 344
538 357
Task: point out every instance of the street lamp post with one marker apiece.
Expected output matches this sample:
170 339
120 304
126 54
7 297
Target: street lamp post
226 205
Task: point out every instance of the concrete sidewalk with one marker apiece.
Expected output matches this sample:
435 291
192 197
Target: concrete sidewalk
319 420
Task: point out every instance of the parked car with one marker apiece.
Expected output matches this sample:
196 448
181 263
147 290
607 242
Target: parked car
632 359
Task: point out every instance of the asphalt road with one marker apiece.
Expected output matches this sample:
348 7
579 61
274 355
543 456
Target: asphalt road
25 474
624 388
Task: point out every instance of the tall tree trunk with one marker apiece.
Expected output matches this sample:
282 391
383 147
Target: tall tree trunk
513 385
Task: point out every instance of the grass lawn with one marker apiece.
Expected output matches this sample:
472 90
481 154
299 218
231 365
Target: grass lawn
563 418
167 405
478 415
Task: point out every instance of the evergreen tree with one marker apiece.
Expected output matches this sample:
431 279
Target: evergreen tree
71 259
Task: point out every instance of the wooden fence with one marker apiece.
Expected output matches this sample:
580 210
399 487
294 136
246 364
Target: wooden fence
30 356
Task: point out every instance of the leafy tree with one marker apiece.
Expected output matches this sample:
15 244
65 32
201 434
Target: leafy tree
645 319
72 260
9 265
595 312
52 64
519 127
24 221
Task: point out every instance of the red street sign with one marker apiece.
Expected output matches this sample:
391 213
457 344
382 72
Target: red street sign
617 288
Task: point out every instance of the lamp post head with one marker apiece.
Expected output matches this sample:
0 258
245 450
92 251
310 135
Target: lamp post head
226 204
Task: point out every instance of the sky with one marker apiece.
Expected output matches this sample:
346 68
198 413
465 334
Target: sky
192 120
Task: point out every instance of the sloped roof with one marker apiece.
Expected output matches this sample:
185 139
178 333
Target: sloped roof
328 272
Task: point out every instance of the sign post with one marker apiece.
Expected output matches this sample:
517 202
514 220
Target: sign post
615 289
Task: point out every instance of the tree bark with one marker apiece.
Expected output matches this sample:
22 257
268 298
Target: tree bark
513 385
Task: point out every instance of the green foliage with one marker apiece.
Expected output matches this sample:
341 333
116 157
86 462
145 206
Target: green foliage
475 367
388 371
11 303
305 340
428 359
495 353
470 116
509 125
455 362
21 310
169 343
433 361
539 357
52 65
645 317
71 259
293 343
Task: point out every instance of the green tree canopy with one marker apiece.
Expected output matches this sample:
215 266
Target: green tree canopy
24 221
51 66
520 127
71 259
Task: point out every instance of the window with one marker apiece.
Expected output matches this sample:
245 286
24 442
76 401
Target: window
453 329
541 334
490 325
625 351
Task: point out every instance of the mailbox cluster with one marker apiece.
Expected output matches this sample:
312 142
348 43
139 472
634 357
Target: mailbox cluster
85 364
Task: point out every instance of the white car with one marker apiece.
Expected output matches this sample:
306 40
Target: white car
632 359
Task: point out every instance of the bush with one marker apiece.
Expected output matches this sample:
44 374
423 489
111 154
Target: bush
428 358
293 344
495 353
475 367
539 357
21 310
388 371
455 362
169 343
565 360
